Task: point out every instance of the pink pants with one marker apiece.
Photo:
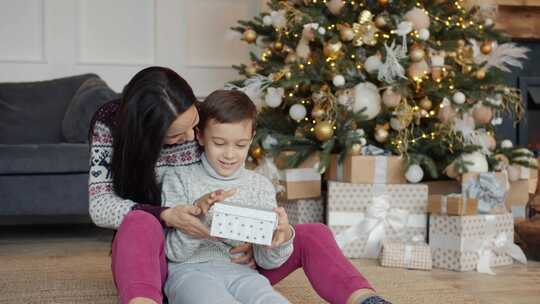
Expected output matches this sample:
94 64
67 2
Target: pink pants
139 264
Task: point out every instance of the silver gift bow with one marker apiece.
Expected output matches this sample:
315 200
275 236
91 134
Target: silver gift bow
499 245
486 190
378 217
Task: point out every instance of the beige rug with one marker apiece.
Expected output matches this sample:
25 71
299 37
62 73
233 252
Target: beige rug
59 272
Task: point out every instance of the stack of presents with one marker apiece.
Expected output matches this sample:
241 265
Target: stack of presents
375 213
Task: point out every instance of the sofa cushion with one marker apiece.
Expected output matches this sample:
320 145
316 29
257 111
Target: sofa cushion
44 158
32 112
92 94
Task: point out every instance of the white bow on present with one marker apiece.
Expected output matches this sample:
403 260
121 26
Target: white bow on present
499 244
374 224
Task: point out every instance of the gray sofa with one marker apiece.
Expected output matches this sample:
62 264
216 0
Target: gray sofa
44 151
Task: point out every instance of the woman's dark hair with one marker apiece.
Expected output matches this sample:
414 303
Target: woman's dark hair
150 102
226 107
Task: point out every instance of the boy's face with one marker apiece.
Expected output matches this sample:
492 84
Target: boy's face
226 145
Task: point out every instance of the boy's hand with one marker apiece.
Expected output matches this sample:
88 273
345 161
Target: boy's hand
283 232
209 199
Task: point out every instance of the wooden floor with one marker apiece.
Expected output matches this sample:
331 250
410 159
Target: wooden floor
512 284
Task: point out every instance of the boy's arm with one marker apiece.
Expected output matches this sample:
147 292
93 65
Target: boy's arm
178 245
270 258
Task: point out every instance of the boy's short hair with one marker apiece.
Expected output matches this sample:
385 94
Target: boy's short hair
226 106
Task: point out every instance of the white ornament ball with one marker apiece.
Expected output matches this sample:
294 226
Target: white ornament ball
488 22
322 31
268 142
274 97
507 144
459 98
372 64
477 162
414 174
338 80
423 34
396 124
297 112
381 135
367 97
418 18
267 20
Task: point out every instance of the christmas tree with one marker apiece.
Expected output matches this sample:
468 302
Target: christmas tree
421 79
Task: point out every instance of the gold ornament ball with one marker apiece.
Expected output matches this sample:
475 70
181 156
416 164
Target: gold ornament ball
324 130
446 114
381 135
486 47
277 46
250 36
256 152
426 103
380 21
417 54
482 115
437 74
356 149
251 70
480 74
451 171
346 33
461 43
382 2
317 112
332 49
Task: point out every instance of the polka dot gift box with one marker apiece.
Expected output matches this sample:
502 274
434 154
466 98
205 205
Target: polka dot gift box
363 215
474 242
245 224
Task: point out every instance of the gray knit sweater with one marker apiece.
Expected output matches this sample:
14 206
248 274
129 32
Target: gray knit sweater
187 184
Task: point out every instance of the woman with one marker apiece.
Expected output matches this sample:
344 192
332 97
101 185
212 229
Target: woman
152 126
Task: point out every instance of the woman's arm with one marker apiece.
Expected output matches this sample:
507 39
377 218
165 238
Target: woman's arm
106 209
282 244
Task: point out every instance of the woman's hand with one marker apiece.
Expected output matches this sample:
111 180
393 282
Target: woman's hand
284 230
209 199
185 218
246 258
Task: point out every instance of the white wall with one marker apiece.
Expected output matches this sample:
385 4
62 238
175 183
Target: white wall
44 39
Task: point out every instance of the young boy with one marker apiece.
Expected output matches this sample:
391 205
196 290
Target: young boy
200 270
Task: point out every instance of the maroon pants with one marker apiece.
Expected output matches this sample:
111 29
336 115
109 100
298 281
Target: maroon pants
139 264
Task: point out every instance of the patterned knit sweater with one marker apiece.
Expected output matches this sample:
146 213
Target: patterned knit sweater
182 185
105 207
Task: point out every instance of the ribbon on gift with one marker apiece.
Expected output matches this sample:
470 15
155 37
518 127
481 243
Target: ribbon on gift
444 202
499 244
299 175
486 190
374 223
415 241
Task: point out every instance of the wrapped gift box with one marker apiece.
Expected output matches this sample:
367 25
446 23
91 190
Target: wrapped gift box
303 181
245 224
406 255
464 243
518 197
455 186
304 210
361 169
361 216
452 204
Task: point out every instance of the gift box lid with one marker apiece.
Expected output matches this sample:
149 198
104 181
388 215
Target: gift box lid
262 214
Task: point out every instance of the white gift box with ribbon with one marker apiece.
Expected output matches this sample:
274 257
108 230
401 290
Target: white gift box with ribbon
304 210
246 224
476 242
362 216
415 254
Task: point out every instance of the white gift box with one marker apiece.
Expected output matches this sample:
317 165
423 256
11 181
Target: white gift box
245 224
304 210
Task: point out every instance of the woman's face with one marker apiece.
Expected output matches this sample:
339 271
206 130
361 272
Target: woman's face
181 130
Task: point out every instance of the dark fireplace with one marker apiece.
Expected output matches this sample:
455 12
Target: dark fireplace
528 131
